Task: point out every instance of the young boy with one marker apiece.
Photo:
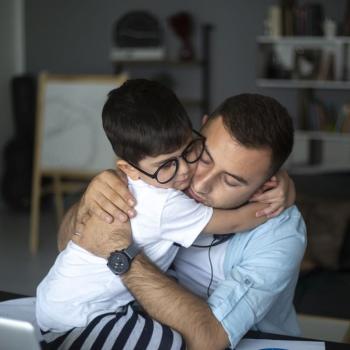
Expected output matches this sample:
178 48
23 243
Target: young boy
152 136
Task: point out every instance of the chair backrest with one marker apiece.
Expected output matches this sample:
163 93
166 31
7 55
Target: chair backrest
325 328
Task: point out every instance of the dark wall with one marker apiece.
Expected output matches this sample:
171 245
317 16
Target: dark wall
75 37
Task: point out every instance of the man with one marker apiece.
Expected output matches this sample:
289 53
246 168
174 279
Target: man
249 278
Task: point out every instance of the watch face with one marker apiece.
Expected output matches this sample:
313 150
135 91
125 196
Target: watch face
118 262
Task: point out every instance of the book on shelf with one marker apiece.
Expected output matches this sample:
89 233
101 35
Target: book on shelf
316 117
343 121
287 13
320 116
326 70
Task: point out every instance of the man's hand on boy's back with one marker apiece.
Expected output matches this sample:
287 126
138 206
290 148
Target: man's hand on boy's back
101 238
101 216
107 197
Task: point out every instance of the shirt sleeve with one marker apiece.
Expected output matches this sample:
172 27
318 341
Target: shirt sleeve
183 219
271 260
64 296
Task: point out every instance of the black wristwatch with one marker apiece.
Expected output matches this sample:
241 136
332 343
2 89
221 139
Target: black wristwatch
120 260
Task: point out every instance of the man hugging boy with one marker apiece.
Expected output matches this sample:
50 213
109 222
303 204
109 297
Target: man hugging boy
158 150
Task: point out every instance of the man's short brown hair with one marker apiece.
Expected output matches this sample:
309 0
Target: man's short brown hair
258 121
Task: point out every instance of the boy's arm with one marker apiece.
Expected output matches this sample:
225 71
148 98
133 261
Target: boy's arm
225 221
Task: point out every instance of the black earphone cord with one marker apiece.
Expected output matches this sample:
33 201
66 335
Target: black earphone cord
219 240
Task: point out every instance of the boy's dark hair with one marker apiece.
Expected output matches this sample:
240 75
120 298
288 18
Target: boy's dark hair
259 121
144 118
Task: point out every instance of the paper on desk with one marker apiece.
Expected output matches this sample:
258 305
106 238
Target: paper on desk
265 344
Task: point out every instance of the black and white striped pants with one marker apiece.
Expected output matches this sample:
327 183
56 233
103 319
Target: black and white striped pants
125 330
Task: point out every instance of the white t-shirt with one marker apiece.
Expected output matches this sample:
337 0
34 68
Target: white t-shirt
80 286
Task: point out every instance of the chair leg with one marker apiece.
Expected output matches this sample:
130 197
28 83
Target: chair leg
58 192
35 215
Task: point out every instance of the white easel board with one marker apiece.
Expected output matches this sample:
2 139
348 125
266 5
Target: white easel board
72 137
70 143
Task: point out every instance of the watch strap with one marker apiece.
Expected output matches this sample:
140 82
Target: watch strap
132 250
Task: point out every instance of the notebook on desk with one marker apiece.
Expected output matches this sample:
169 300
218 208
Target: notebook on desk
267 344
17 335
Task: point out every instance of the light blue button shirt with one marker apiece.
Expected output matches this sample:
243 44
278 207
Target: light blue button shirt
260 269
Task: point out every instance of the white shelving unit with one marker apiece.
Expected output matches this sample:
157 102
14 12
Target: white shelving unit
318 152
285 48
302 40
314 151
304 84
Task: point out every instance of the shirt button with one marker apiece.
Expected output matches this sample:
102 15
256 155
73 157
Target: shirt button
247 281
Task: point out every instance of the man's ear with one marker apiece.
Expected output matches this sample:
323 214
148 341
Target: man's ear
205 119
128 169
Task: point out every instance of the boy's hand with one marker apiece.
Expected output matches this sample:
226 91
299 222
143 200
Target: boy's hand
278 192
108 197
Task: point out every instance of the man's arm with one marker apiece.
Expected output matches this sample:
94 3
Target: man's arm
168 302
162 298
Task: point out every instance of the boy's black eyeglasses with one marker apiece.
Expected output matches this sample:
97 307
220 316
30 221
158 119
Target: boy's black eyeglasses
191 154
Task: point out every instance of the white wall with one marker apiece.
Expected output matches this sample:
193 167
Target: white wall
11 62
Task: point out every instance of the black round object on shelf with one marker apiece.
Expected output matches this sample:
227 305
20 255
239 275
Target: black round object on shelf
138 29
